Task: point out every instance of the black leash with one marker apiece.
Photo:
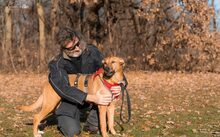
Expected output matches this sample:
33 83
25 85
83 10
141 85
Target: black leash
125 91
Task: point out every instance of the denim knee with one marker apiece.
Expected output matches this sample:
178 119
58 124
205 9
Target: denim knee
70 132
69 126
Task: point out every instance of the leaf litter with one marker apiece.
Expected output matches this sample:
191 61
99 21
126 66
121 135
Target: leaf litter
163 103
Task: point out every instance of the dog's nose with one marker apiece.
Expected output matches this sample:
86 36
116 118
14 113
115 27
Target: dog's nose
108 72
106 68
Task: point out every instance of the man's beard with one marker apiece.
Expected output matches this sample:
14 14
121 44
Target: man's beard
74 53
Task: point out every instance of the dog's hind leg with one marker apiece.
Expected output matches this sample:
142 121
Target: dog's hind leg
47 107
50 102
110 115
33 106
45 111
102 116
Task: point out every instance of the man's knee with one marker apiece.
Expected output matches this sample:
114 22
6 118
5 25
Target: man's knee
70 132
93 118
68 126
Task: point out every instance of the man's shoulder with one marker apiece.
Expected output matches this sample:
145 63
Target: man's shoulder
56 59
92 50
91 47
92 53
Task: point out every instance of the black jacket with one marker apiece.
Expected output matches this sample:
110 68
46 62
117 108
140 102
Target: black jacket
61 66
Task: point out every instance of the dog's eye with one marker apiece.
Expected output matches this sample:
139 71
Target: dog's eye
113 62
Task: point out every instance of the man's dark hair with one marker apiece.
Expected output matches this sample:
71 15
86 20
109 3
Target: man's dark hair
67 33
64 34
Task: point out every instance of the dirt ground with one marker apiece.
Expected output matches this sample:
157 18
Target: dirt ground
163 104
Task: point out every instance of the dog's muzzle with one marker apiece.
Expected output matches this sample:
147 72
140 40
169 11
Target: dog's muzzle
108 72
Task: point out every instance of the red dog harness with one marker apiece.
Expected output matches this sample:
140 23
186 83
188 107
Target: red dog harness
106 83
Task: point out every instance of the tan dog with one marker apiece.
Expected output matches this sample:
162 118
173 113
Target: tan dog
112 73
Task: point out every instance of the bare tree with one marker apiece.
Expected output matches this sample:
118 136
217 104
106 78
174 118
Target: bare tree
6 46
42 38
214 16
53 19
149 34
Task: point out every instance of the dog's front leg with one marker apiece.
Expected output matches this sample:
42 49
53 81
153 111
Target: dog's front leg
110 114
102 116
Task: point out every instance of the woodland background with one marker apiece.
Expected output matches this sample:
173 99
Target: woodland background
162 42
153 35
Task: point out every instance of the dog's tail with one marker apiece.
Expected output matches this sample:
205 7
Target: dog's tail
33 106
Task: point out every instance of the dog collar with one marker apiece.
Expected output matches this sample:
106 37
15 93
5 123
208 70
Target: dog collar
105 82
99 71
109 85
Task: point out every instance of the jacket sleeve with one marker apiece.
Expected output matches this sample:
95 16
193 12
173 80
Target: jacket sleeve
58 79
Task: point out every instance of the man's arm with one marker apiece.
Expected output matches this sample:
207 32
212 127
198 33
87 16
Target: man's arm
58 79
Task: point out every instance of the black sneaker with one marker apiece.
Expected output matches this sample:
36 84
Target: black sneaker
91 129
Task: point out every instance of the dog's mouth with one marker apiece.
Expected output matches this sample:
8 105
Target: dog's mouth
108 72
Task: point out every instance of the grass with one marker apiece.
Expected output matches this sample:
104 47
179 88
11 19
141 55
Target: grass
163 105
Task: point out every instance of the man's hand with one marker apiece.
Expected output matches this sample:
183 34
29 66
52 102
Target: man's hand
116 91
99 99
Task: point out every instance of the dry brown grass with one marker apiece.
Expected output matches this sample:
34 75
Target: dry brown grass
163 104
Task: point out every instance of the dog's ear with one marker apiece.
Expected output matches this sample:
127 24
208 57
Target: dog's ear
103 61
122 62
105 66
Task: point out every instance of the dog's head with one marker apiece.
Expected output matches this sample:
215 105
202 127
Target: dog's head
113 68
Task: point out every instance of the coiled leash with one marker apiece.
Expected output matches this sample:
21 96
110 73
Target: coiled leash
125 91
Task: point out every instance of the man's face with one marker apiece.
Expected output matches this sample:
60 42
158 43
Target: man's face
73 47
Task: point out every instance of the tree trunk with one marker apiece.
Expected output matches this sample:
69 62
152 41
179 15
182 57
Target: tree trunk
54 6
22 50
214 17
108 22
6 46
135 20
42 41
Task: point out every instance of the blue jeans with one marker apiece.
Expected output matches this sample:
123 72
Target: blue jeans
71 126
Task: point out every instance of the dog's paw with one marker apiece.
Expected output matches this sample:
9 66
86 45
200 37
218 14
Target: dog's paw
38 135
113 132
40 132
118 135
105 135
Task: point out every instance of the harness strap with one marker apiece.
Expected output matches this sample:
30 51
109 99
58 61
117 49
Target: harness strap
105 85
86 83
76 80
